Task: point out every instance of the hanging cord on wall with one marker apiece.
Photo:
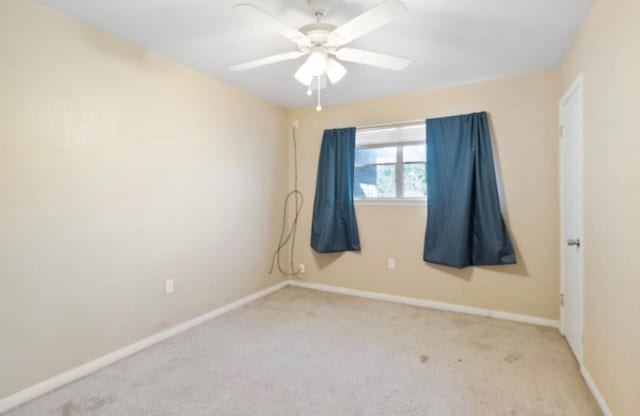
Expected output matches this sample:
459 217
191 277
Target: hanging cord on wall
285 236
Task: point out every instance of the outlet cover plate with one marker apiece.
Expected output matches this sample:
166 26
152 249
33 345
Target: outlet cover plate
169 286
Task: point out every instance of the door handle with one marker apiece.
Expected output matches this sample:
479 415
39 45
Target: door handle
572 242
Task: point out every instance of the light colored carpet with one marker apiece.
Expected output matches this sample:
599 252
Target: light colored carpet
303 352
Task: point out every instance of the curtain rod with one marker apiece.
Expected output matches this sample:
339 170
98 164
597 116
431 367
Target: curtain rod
393 124
397 123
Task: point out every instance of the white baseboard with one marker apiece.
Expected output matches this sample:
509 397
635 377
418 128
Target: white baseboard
451 307
95 365
101 362
595 391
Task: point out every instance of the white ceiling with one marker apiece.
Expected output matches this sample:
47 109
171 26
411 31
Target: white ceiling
449 41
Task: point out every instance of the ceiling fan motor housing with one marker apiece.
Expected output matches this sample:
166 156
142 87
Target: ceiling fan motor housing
318 33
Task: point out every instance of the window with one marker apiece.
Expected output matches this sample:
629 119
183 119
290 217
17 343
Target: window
391 164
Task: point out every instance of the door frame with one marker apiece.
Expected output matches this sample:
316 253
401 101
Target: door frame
577 86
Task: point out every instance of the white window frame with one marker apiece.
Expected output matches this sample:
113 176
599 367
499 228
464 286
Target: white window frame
398 136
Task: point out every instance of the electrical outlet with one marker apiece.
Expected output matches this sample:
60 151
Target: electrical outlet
296 124
391 263
168 286
301 268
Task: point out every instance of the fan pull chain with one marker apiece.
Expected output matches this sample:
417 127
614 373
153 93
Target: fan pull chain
319 107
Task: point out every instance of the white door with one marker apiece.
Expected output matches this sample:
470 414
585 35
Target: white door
572 242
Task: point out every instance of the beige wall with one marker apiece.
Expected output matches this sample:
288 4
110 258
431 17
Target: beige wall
524 115
118 170
607 51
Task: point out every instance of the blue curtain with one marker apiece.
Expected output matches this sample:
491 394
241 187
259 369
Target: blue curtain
464 223
334 226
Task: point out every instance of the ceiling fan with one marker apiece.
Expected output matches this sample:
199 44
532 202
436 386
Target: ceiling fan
325 43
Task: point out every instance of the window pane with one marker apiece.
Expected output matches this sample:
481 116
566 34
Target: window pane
414 153
414 180
375 182
366 156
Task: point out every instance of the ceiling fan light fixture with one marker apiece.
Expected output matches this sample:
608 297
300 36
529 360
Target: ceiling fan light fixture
303 75
317 63
325 43
335 70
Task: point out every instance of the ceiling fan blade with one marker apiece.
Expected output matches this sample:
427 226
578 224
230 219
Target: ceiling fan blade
367 22
380 60
287 56
272 23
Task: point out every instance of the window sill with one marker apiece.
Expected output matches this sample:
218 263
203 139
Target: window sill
390 202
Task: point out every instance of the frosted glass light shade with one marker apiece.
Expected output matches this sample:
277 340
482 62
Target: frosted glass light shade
335 70
317 63
303 75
